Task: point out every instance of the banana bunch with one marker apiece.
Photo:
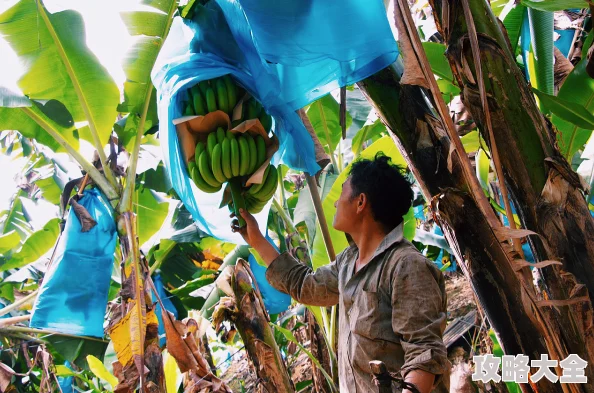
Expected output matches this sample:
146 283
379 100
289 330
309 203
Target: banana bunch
212 95
252 109
227 156
258 195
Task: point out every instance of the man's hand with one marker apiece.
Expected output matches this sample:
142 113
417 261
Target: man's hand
422 379
250 231
252 236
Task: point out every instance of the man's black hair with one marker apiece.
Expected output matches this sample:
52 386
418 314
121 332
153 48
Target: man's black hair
388 190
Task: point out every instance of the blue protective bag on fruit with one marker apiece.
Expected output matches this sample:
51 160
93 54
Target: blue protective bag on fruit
73 296
219 40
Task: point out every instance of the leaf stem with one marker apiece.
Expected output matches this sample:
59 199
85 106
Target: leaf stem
18 303
126 203
97 177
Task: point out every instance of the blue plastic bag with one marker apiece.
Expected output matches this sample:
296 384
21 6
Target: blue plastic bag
73 296
275 301
166 302
316 46
218 40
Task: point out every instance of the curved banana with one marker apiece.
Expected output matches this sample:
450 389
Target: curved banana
244 156
199 149
216 164
211 101
234 157
200 183
226 158
222 99
253 152
266 121
211 142
205 171
256 187
269 186
203 85
220 134
252 109
260 150
188 111
231 91
229 135
198 101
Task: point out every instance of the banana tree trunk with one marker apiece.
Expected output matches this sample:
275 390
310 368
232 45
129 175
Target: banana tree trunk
546 191
251 320
420 136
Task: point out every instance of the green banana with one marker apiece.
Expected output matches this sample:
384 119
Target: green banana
211 102
253 152
191 164
261 150
269 185
216 164
252 109
229 135
226 158
188 111
199 149
256 187
200 182
205 171
220 134
266 121
222 99
204 86
231 91
234 157
211 142
199 105
254 206
244 155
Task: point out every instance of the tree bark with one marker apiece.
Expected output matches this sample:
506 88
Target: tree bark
249 316
546 191
420 137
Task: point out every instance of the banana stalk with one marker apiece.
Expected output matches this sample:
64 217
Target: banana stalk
238 200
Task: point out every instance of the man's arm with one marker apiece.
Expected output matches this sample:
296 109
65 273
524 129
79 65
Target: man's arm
419 316
285 273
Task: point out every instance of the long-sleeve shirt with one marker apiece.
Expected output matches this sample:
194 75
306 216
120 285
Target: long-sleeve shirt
393 309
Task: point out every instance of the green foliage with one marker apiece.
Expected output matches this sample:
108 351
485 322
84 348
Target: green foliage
319 255
578 88
152 211
150 26
34 247
60 67
289 336
373 132
541 27
570 111
324 117
554 5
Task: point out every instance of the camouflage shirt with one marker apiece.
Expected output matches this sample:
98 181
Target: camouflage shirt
393 309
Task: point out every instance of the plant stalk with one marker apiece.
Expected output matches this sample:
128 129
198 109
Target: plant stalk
97 177
16 305
317 202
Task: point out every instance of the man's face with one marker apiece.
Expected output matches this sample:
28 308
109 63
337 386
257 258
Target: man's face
346 209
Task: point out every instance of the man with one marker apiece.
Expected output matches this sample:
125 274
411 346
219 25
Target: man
392 300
